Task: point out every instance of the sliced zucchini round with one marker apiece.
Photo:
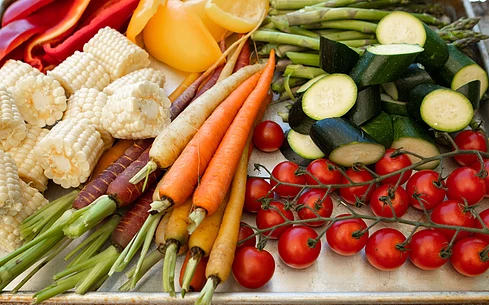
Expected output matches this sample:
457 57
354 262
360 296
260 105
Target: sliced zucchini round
470 73
310 82
391 106
300 148
331 96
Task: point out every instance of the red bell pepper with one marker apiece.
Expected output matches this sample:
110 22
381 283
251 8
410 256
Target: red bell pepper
21 9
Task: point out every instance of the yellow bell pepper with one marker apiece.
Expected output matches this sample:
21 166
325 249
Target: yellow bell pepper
143 13
198 7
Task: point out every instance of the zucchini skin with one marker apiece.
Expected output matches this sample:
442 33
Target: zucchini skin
367 106
471 90
405 127
336 57
290 154
380 129
413 76
298 120
416 97
435 53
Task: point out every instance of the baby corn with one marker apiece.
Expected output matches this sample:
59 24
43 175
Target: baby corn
140 75
12 125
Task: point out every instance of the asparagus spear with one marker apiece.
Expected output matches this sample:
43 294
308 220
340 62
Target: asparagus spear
354 25
278 85
302 72
455 35
285 38
346 35
281 25
461 24
302 58
297 4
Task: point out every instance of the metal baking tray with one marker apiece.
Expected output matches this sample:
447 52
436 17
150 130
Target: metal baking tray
333 279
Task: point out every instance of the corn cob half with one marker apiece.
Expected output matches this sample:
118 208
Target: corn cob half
29 168
137 111
11 200
80 70
88 103
13 70
69 152
12 125
140 75
118 54
41 99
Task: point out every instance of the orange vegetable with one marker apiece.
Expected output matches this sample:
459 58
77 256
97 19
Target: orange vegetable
198 7
143 13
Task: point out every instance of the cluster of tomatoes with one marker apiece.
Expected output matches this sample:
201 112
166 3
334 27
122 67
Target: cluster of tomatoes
393 188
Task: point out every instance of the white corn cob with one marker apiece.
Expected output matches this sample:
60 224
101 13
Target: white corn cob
118 54
29 168
88 103
12 125
80 70
140 75
137 111
10 235
13 70
69 152
11 200
41 99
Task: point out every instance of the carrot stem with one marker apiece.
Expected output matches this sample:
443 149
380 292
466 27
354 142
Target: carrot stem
195 219
196 255
205 296
149 261
161 205
59 287
172 248
150 167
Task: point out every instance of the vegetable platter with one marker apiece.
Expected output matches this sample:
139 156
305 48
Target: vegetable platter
330 279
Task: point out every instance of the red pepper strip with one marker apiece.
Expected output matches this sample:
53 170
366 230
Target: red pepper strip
22 8
114 17
93 10
72 10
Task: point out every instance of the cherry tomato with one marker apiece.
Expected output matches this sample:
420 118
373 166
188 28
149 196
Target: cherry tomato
353 194
314 202
245 232
463 183
285 172
382 252
294 247
426 247
340 236
484 215
477 166
388 164
466 257
319 168
199 279
451 212
271 217
398 198
268 136
253 268
256 188
469 140
426 185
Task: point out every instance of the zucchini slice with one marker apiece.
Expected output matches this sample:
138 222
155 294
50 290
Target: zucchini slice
380 129
391 106
309 83
336 57
331 96
471 91
402 27
384 63
367 106
411 136
300 148
459 70
441 108
345 143
298 120
413 76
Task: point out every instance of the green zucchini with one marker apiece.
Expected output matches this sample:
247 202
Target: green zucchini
367 106
299 148
380 129
391 106
411 136
383 63
439 107
336 57
298 120
471 91
413 76
309 83
459 70
331 96
345 143
402 27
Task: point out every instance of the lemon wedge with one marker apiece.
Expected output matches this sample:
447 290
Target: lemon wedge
237 16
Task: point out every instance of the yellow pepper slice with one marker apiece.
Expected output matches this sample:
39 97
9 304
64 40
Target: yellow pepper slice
143 13
198 7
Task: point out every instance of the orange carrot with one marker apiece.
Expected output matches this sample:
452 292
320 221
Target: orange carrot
110 156
190 79
220 171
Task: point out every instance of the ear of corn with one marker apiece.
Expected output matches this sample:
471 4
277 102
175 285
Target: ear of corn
28 166
13 70
140 75
118 54
12 125
137 111
11 200
41 99
80 70
69 152
88 103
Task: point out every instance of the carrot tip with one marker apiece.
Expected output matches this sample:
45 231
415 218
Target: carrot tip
195 219
144 172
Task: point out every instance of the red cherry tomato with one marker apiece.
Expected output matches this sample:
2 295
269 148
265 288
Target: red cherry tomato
253 268
451 212
463 183
245 232
425 184
484 215
294 247
340 236
466 257
426 247
382 252
477 166
388 164
469 140
398 198
314 203
268 136
354 194
271 217
319 168
285 172
256 188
